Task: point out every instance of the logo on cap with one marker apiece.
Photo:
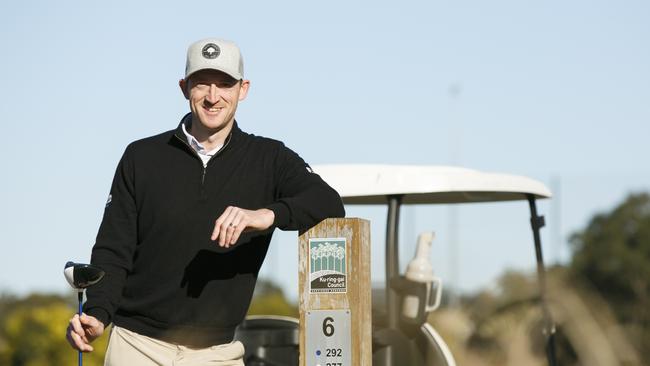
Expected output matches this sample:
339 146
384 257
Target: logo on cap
211 51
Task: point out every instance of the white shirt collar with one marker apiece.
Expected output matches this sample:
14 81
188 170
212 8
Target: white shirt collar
198 147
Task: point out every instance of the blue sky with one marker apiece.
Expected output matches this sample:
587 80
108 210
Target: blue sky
558 91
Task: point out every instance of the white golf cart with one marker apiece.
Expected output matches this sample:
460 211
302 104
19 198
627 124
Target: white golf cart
395 341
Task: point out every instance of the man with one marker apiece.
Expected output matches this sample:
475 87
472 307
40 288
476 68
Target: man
188 223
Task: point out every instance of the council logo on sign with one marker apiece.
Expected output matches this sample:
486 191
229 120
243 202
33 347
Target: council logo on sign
327 266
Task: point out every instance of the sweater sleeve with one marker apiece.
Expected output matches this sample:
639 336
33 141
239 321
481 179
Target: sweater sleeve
115 244
303 199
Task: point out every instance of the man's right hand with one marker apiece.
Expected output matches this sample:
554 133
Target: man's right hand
82 330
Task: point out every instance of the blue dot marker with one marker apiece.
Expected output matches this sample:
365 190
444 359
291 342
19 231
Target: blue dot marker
318 353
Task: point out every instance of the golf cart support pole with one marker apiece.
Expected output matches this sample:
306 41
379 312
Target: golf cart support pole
537 222
392 260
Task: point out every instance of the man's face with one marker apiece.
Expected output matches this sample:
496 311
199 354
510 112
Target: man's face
213 97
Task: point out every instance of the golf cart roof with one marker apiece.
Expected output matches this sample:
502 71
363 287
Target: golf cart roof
371 184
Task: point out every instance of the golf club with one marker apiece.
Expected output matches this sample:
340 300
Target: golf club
81 276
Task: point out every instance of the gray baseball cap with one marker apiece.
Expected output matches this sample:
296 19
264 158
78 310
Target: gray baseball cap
216 54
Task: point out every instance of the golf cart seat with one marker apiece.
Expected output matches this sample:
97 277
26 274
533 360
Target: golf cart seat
269 340
424 346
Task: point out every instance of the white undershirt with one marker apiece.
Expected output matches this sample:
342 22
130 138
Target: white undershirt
200 149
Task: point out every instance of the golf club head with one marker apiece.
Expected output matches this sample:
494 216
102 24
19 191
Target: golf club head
81 276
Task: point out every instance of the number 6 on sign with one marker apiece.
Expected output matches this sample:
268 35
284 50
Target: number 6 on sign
328 327
329 336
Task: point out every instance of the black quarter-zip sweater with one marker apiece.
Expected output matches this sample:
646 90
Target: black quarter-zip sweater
165 278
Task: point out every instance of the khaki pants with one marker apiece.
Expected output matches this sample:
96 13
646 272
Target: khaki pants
126 348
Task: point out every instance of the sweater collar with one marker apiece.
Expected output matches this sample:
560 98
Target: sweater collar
234 136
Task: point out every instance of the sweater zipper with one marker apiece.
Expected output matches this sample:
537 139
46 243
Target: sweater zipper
204 167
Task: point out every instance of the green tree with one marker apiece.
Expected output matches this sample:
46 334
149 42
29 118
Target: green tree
32 333
613 254
269 299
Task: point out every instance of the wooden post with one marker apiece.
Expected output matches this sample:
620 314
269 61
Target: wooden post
334 286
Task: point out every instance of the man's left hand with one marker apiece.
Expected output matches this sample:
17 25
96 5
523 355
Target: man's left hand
234 221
